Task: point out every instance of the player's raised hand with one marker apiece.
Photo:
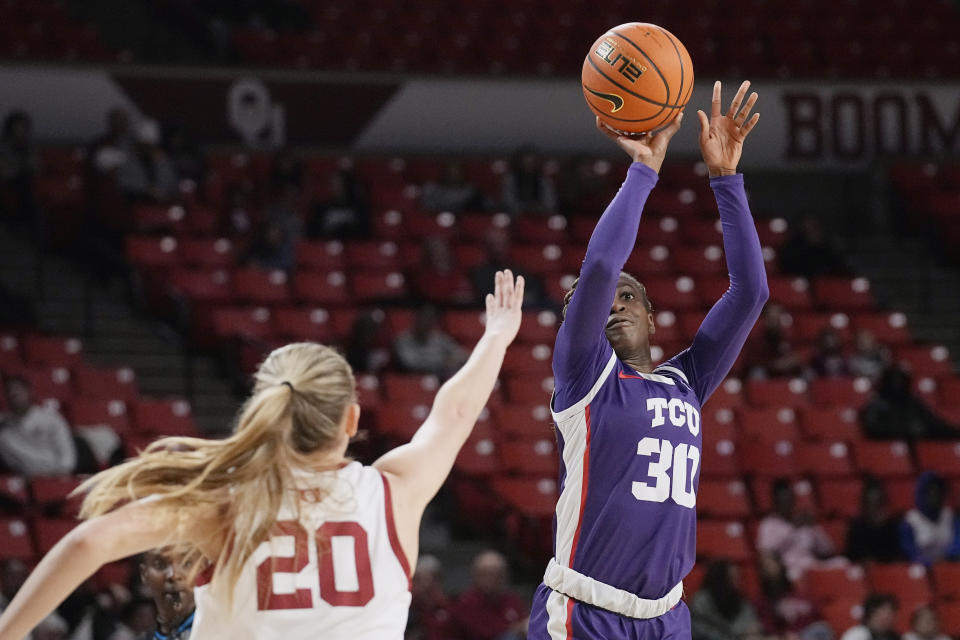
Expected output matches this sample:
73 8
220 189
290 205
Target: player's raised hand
648 148
503 306
722 135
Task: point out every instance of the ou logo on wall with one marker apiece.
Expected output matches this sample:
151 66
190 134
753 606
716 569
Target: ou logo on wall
252 114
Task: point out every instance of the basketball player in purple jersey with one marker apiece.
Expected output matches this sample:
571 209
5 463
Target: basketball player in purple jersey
629 431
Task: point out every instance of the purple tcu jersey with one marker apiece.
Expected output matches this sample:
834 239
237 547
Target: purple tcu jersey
630 441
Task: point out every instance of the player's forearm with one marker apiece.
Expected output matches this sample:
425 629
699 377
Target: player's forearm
748 276
461 398
65 567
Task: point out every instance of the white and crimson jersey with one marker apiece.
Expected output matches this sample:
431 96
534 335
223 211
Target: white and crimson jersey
336 573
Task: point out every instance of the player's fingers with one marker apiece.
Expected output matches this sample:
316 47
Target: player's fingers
498 289
747 107
704 126
715 102
507 287
737 99
673 127
491 303
518 292
606 130
748 127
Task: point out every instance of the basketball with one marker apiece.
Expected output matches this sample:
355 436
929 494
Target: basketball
637 77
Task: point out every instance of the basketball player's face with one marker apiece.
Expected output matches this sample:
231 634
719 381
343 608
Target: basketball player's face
629 324
167 581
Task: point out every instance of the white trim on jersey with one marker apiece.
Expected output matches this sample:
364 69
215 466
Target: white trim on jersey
675 371
557 616
559 417
598 594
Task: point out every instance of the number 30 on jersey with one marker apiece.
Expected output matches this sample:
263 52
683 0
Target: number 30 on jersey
671 468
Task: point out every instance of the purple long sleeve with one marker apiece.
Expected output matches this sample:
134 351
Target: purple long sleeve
582 350
724 331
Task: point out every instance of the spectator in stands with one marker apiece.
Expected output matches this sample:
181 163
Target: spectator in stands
879 617
165 579
791 536
808 252
930 532
719 610
363 351
869 357
874 534
184 153
525 188
287 171
35 440
785 611
488 610
896 413
13 573
828 358
110 150
925 625
770 354
497 245
426 348
18 164
453 192
345 214
437 279
429 606
274 249
146 174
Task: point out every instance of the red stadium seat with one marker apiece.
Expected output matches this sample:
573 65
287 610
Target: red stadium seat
949 613
15 540
529 390
208 253
529 457
778 393
720 460
769 423
824 459
677 293
407 388
803 494
256 286
93 411
526 359
13 494
113 574
843 613
643 263
303 323
948 391
901 494
50 385
402 419
823 423
478 457
942 457
323 289
722 539
846 294
728 395
836 585
888 328
49 532
768 458
541 259
321 256
699 261
169 417
908 582
884 459
106 383
840 497
530 496
772 232
550 229
52 494
523 421
375 255
152 252
807 326
840 392
791 292
52 350
242 322
723 499
538 327
372 286
667 327
930 361
465 327
946 580
198 285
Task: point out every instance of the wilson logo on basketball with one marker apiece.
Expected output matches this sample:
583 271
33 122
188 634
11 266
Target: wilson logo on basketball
629 69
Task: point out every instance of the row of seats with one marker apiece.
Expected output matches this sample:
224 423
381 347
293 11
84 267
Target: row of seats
42 30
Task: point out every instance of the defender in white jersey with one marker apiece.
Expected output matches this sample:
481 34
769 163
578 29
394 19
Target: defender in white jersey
297 541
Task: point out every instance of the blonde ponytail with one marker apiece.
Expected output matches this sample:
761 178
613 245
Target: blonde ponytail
300 394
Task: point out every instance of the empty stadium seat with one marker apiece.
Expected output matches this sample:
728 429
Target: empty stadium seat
529 456
824 459
15 539
169 417
840 392
836 585
908 582
823 423
840 497
53 494
846 294
722 539
97 382
778 393
767 458
93 411
942 457
530 496
884 459
252 285
723 499
478 457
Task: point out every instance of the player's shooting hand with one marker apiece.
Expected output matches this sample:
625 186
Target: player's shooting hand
648 148
722 136
503 306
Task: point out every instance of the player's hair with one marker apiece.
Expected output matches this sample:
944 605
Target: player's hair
299 397
623 274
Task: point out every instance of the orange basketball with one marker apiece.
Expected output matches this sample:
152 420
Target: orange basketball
637 77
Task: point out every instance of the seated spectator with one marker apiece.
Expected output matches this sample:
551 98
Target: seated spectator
147 174
426 348
34 440
453 192
719 610
770 354
808 252
164 577
497 244
791 536
13 573
930 532
488 610
437 279
18 164
363 350
109 151
345 214
524 187
896 413
785 611
274 249
879 617
874 534
925 625
828 358
869 357
429 605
